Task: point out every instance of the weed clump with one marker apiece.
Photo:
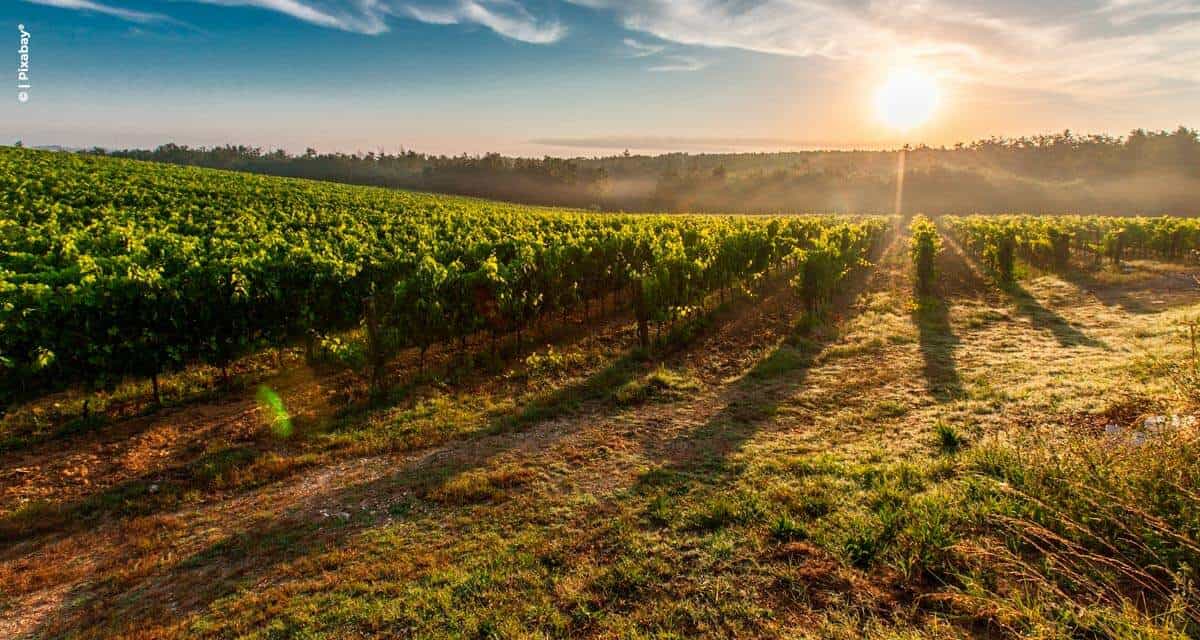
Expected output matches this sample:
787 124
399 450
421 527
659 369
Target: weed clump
949 438
787 530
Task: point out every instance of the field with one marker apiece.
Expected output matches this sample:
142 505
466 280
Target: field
805 426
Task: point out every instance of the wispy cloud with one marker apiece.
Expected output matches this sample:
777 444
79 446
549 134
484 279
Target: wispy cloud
679 63
1083 48
1123 12
363 18
665 59
641 49
140 17
508 18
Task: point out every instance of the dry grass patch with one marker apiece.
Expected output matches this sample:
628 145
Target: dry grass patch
661 384
479 485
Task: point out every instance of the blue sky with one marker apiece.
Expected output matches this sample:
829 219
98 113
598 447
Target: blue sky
580 77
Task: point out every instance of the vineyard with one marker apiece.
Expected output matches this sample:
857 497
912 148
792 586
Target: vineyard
1057 242
114 269
506 421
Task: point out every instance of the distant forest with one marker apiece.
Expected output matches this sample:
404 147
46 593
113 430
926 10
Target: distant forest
1145 172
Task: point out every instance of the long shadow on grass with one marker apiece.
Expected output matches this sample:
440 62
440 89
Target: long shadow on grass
957 278
1047 319
415 490
938 343
1042 318
1143 297
751 403
749 406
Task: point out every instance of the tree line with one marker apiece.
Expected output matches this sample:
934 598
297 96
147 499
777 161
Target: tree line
1144 172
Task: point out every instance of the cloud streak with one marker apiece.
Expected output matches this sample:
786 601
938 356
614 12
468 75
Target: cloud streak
364 18
675 63
140 17
641 49
508 18
665 60
1124 12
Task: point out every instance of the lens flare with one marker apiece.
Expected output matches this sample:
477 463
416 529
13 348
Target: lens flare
276 413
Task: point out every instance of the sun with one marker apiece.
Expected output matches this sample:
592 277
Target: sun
907 99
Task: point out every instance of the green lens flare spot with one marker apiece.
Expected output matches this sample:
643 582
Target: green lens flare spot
272 404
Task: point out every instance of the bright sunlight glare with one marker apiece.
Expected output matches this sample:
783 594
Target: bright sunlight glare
907 99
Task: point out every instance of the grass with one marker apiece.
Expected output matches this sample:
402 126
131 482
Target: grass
755 483
787 530
661 384
1100 534
478 486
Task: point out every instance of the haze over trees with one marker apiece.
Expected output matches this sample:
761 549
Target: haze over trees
1143 172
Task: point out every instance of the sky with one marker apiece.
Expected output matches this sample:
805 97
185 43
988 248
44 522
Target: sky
590 77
